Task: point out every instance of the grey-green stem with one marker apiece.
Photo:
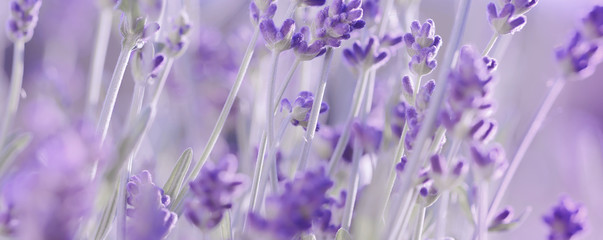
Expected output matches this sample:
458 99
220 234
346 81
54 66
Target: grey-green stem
14 94
103 32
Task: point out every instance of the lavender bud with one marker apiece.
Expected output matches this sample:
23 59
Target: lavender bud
505 22
424 95
278 39
177 40
593 23
145 64
422 63
336 22
22 20
261 9
483 130
391 41
444 178
521 6
422 39
566 219
301 108
407 88
578 58
368 57
303 51
505 221
428 194
213 193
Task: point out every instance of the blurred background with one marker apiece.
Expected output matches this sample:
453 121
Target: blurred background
565 158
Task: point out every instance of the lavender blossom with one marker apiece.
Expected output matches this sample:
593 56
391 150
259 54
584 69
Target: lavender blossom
302 204
578 58
368 57
23 19
521 6
422 45
149 216
176 40
261 9
483 130
301 108
428 194
505 21
305 51
371 10
565 220
336 22
505 220
146 64
135 27
443 177
489 163
213 193
279 39
593 23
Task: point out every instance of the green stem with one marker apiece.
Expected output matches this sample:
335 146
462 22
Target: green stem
103 32
320 92
270 123
14 94
281 92
350 201
257 175
490 44
419 229
354 112
111 97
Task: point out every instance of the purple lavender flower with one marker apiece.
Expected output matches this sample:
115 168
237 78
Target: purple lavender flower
302 204
428 194
149 216
566 219
313 3
470 84
391 41
483 130
443 177
593 23
489 163
505 220
521 6
368 57
146 64
22 19
213 193
261 9
336 22
301 108
422 45
135 27
505 21
305 51
578 58
371 10
279 39
176 40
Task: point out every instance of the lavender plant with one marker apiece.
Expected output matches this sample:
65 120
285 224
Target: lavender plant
409 146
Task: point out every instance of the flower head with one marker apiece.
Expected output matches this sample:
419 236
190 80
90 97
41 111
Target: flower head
565 220
371 10
505 21
279 39
489 163
369 56
593 23
149 216
23 19
176 40
422 45
336 22
307 51
213 192
146 64
443 177
579 57
303 203
261 9
301 108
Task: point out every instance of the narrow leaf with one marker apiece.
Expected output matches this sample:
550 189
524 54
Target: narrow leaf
174 183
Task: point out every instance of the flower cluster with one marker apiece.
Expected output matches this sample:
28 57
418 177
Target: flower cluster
279 39
213 193
303 204
422 46
261 9
146 64
566 219
370 56
176 40
149 216
23 19
579 57
509 19
299 111
336 22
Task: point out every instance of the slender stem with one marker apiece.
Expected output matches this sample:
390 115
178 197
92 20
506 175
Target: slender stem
272 156
103 32
226 227
14 95
320 92
350 201
281 92
259 165
421 222
406 213
482 211
111 97
270 122
442 214
136 104
490 44
525 143
436 101
345 135
227 106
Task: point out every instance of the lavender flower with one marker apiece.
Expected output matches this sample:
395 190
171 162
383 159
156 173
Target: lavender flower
443 177
145 64
302 204
301 108
305 51
578 58
505 21
505 220
593 23
483 130
489 163
422 45
22 19
213 193
149 216
428 194
391 41
411 115
566 219
521 6
336 22
135 27
371 10
368 57
261 9
279 39
176 40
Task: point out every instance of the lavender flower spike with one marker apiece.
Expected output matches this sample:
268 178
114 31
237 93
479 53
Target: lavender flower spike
279 39
366 57
301 108
177 41
336 22
422 38
307 51
566 219
443 177
505 22
145 64
489 163
261 9
149 216
22 19
578 58
213 192
521 6
593 23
